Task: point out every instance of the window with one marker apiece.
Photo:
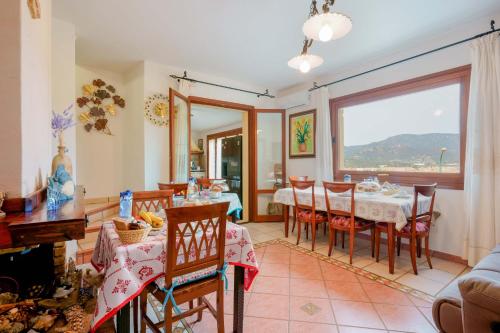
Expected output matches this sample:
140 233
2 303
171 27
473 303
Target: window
407 133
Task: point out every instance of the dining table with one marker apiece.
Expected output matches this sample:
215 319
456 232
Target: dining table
129 268
394 209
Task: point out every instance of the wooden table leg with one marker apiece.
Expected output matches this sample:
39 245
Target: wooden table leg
286 217
390 245
123 319
239 294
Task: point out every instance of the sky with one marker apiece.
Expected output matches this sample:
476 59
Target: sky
431 111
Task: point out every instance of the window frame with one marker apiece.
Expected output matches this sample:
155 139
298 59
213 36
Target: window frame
460 75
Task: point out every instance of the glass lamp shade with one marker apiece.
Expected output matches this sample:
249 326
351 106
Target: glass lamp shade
327 26
305 62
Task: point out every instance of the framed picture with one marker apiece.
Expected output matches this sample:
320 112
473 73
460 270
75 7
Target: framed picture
302 131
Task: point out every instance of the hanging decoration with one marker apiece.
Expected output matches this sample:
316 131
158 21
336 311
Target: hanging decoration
156 109
101 102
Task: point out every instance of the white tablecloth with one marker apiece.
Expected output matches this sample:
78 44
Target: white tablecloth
370 206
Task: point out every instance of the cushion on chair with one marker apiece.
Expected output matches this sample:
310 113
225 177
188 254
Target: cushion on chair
419 227
344 222
190 277
306 215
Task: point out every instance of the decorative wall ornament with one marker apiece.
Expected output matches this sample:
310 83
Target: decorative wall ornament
101 101
34 6
156 109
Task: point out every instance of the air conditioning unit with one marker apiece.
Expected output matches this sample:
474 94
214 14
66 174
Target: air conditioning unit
294 100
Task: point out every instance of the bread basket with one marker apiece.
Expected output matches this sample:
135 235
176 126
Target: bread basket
132 236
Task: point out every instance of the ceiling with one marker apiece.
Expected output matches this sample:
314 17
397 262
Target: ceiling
205 118
250 41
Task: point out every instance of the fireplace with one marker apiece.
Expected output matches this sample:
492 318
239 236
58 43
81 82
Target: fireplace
32 272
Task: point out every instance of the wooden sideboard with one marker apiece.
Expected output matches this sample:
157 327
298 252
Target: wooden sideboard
40 226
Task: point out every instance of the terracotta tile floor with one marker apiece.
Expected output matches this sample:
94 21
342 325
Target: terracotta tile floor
323 298
301 291
429 281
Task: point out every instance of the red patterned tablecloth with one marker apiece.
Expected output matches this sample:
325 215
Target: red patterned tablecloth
129 268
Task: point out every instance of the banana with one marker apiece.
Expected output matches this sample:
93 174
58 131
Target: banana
145 216
157 222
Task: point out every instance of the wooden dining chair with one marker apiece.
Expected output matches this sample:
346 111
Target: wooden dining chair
151 201
205 183
194 266
344 220
307 213
418 226
180 189
301 178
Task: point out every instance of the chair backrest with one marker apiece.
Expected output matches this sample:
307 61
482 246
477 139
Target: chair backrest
178 188
205 183
152 201
300 178
340 188
303 185
196 238
426 217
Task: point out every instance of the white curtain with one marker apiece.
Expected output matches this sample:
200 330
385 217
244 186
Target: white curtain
482 170
181 135
324 161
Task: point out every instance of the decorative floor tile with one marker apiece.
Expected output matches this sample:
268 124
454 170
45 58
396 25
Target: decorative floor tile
308 309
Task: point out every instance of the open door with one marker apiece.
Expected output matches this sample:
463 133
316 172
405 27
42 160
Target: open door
269 163
179 136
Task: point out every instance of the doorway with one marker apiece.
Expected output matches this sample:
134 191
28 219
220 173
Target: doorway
263 167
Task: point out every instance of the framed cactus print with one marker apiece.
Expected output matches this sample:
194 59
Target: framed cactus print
302 131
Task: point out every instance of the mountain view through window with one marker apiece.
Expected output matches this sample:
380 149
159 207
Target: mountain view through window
416 132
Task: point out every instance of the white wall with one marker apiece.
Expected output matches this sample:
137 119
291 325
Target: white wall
156 148
133 141
10 98
36 99
447 232
157 80
100 157
63 75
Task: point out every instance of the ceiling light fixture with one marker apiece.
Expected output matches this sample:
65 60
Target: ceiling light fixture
305 62
322 27
326 26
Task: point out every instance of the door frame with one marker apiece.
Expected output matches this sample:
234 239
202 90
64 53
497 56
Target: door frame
172 93
255 194
250 109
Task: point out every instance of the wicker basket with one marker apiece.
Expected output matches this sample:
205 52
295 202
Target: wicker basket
133 236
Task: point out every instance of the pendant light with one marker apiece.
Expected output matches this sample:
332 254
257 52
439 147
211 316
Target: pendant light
305 62
326 26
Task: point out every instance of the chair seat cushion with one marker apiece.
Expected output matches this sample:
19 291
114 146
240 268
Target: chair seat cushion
345 221
306 215
187 278
420 227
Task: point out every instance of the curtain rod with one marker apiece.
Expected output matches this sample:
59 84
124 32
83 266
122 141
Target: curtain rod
493 30
185 77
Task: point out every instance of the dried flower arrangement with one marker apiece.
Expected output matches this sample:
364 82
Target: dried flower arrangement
101 101
61 122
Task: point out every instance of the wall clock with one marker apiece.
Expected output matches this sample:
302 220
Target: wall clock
156 109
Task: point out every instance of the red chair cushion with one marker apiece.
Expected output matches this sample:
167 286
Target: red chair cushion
419 227
306 215
345 221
